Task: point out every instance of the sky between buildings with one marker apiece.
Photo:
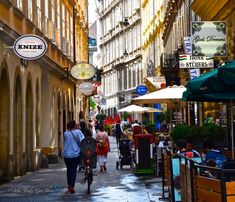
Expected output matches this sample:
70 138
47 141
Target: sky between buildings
92 14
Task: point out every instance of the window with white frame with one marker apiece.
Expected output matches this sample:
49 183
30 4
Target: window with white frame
58 14
134 37
19 4
130 40
134 75
71 37
138 35
121 48
30 9
39 14
137 74
67 25
117 48
53 18
130 76
46 11
113 19
63 20
125 78
140 73
129 8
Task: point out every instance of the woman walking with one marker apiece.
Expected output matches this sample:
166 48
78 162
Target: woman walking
103 147
71 154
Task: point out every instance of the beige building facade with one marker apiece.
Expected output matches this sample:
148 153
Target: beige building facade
37 97
120 50
152 14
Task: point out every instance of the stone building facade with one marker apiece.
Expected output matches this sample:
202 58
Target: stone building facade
120 47
37 97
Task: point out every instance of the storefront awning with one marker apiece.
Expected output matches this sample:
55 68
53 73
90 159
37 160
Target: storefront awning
214 86
154 83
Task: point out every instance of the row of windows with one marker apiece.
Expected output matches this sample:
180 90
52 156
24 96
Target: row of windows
180 27
129 41
118 13
52 18
124 79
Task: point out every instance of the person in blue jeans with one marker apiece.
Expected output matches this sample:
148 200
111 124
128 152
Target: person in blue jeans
71 153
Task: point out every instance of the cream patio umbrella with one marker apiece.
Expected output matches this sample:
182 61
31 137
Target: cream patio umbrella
132 108
152 110
139 109
167 95
171 95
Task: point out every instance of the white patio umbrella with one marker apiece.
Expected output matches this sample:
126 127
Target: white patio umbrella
167 95
136 108
170 95
132 108
152 110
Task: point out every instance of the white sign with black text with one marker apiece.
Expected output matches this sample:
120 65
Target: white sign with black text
30 47
188 61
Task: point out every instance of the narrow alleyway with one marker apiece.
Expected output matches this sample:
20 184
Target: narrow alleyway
113 185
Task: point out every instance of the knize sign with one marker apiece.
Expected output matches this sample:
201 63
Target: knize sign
30 47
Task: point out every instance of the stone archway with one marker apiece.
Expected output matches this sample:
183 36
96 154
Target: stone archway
29 127
4 125
17 128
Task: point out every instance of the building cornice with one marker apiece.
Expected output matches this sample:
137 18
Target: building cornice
107 10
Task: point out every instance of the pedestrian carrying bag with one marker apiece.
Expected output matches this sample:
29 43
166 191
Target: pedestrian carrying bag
100 144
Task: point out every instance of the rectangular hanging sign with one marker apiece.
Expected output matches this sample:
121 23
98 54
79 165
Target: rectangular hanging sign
209 38
191 62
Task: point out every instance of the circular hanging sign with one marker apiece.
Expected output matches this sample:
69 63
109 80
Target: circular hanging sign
141 89
85 87
30 47
83 71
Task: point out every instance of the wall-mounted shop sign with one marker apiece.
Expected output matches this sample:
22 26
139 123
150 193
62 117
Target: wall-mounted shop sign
209 38
103 101
188 61
194 73
85 88
83 71
187 45
30 47
141 89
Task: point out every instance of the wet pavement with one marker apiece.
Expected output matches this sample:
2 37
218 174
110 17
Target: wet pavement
112 185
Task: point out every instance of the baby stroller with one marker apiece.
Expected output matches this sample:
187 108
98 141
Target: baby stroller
124 154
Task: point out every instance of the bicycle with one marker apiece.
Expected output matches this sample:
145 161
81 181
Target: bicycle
88 151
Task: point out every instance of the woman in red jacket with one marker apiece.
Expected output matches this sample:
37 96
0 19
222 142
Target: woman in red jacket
103 147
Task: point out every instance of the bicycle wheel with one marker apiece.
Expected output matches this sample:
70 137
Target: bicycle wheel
89 182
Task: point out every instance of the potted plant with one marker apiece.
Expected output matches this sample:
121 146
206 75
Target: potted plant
198 133
181 131
100 117
150 127
125 115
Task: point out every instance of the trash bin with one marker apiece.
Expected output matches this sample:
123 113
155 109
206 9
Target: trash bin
144 158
